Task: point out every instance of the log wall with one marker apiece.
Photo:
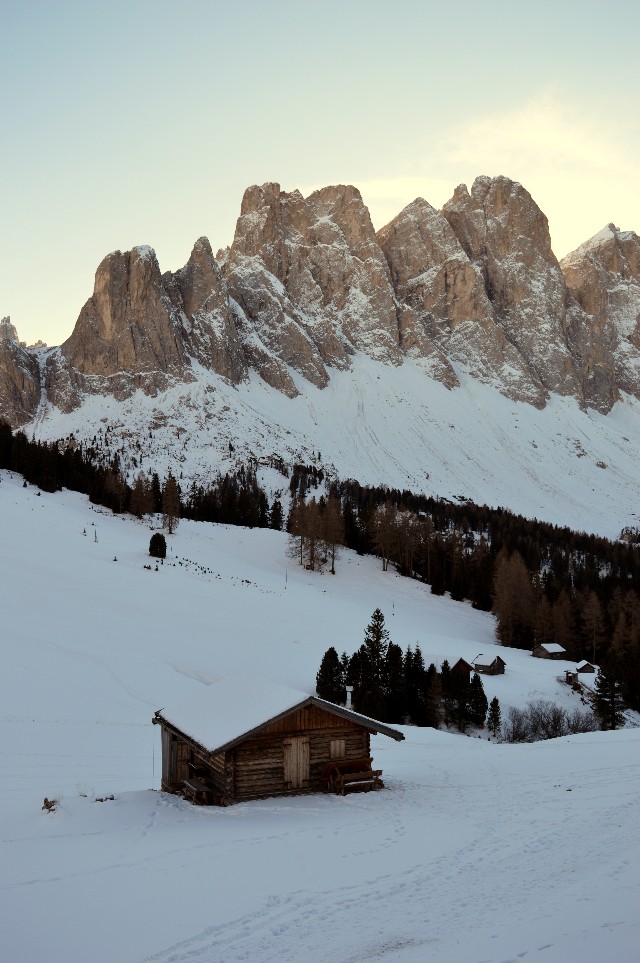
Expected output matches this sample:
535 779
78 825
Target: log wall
259 762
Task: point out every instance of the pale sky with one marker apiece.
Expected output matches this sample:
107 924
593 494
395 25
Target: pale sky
142 122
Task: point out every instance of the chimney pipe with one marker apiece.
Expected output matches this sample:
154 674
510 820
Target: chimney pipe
349 689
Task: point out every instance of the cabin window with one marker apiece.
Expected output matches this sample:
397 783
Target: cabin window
337 748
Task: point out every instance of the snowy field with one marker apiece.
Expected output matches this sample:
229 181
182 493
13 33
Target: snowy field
474 851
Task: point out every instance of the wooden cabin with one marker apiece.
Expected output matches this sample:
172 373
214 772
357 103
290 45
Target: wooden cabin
585 666
462 669
550 650
249 740
495 667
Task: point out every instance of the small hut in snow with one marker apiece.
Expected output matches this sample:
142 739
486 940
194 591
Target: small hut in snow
483 666
248 740
550 650
585 666
462 669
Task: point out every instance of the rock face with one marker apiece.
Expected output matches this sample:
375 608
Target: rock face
141 329
19 377
7 331
127 334
200 299
506 236
435 277
603 276
310 283
307 284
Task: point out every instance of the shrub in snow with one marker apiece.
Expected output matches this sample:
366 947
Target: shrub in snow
158 545
545 720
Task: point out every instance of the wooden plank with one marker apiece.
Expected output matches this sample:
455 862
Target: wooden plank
167 779
312 717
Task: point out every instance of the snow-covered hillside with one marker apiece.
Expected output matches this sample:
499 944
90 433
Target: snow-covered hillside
384 425
475 851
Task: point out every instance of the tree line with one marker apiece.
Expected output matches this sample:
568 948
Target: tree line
234 498
397 687
543 583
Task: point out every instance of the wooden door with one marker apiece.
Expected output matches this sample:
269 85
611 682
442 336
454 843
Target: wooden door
296 762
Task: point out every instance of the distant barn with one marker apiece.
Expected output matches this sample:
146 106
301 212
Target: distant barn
239 740
494 667
462 669
550 650
585 666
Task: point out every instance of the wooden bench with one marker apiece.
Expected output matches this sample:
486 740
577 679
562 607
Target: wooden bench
347 775
200 792
350 781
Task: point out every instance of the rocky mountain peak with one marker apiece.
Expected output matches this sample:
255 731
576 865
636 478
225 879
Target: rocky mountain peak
19 377
307 284
311 283
8 331
603 276
506 236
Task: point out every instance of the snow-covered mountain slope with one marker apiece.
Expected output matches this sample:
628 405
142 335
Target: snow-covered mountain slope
383 425
475 851
450 353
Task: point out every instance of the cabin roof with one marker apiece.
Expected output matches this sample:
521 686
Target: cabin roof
462 664
227 712
552 647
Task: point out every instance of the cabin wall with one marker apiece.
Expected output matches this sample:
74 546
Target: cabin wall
259 763
287 757
176 756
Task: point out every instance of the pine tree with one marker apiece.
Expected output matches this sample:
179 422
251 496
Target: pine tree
494 719
141 499
384 533
593 624
276 516
170 504
448 699
513 600
332 530
156 493
373 654
608 703
376 642
330 684
394 692
415 686
477 704
458 693
433 697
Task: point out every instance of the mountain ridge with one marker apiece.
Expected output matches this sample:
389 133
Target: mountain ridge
449 353
307 283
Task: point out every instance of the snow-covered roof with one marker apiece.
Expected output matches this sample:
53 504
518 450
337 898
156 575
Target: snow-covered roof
581 666
228 711
553 647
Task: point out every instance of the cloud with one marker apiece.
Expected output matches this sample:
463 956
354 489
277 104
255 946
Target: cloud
543 135
577 160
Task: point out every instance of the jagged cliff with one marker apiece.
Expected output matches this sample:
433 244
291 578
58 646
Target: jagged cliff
307 284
